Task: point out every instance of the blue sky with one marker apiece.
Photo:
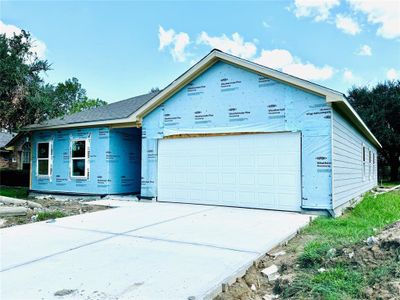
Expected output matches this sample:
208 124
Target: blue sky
121 49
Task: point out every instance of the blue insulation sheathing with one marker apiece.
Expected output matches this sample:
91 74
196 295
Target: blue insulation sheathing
226 98
113 165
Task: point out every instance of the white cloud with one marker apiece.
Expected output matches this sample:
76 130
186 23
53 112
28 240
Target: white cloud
275 59
38 46
309 71
392 74
279 59
283 60
235 45
348 75
166 37
265 24
347 24
384 13
177 42
317 9
365 50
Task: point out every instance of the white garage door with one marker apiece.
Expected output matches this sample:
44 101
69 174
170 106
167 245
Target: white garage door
252 170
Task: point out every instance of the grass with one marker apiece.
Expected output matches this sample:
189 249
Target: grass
14 192
342 280
369 215
46 215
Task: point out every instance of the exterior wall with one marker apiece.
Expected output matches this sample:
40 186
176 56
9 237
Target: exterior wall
124 160
113 157
6 160
348 179
226 98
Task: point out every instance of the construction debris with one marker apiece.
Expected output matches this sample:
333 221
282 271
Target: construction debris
21 211
7 211
271 273
19 202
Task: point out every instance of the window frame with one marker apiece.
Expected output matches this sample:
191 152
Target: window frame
86 158
49 158
26 153
369 164
363 161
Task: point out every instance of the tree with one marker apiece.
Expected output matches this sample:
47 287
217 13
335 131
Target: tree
379 107
20 80
87 104
24 97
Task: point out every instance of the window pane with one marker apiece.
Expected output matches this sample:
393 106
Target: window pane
43 150
26 157
78 149
78 167
43 167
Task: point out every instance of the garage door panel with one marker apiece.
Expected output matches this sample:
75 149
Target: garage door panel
259 170
246 178
228 178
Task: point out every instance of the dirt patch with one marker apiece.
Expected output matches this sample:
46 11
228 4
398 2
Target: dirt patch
50 207
377 259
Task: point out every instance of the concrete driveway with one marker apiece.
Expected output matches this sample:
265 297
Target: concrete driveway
146 251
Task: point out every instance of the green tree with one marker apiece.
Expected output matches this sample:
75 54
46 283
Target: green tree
24 97
379 107
86 104
20 80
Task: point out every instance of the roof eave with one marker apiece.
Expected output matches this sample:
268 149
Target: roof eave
350 113
127 122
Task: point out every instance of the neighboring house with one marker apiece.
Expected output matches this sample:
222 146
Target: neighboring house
19 148
8 157
226 132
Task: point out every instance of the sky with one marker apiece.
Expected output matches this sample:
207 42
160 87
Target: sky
122 49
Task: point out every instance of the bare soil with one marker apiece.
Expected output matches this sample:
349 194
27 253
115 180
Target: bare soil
67 207
385 251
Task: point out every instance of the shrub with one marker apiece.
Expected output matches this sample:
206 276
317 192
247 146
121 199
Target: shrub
46 215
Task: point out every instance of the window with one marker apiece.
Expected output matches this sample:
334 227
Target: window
373 165
363 161
369 164
26 153
79 156
43 159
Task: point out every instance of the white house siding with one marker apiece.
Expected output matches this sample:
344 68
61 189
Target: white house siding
348 179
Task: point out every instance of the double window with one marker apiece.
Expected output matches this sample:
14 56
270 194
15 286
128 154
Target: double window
79 158
44 158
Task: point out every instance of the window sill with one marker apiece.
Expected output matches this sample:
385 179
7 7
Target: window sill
79 177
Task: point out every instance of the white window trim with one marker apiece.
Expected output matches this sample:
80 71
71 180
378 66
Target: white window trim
49 158
86 158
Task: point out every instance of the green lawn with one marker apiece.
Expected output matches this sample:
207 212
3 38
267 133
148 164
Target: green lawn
344 281
358 223
14 192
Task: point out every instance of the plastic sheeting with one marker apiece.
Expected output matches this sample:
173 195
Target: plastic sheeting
225 99
113 166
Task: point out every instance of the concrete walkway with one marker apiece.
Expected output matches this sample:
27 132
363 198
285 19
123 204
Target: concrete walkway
146 251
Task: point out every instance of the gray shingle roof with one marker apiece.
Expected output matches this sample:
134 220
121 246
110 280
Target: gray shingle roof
5 137
114 111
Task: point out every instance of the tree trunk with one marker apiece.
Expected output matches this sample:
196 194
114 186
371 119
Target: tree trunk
394 168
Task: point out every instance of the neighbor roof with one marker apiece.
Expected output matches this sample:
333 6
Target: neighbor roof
111 112
5 137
